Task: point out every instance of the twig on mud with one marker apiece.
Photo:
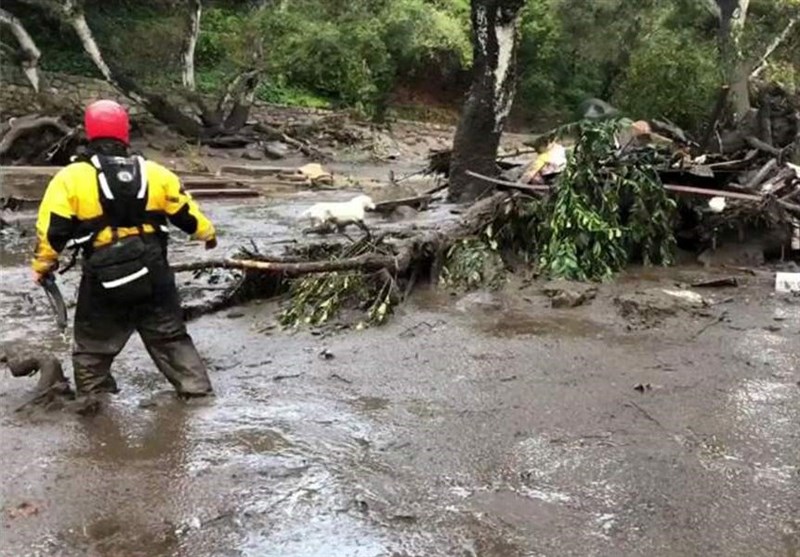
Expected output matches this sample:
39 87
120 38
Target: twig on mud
410 332
288 376
340 378
718 319
646 414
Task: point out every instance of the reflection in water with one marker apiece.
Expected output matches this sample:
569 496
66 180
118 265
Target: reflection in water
128 508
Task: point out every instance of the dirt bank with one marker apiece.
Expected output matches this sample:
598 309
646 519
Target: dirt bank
486 425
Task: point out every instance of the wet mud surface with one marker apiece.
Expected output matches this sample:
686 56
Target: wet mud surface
479 425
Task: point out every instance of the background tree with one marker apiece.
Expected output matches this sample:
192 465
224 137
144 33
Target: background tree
494 38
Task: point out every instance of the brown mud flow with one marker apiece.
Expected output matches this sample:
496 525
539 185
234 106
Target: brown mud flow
479 425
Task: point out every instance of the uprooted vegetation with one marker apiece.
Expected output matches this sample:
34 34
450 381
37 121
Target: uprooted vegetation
607 209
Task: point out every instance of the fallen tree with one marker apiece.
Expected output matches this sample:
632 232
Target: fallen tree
35 139
366 269
607 209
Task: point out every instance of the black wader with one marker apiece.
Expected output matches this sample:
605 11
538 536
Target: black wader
103 324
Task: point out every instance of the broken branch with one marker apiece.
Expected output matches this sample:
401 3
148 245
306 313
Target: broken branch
30 51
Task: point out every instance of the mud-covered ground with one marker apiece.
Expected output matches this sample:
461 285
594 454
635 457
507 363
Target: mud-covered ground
482 425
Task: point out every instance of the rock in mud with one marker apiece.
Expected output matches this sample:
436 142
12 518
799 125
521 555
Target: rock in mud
253 153
747 254
402 213
479 301
569 294
649 307
276 150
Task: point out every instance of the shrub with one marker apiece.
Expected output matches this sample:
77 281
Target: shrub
673 75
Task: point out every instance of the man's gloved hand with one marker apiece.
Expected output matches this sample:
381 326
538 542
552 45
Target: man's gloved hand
211 244
38 277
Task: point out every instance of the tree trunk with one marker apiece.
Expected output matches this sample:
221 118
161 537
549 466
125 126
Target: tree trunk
732 16
240 111
494 41
30 53
195 11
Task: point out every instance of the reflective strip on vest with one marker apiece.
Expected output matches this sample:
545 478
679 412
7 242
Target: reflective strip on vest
79 241
143 177
101 177
104 185
126 279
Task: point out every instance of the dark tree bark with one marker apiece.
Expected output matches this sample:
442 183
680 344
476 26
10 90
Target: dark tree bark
494 45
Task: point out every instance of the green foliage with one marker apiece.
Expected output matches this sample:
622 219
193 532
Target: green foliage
474 263
347 61
218 30
673 75
608 208
418 33
278 91
651 57
315 299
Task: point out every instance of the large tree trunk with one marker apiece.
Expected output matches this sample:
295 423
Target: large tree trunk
732 16
30 54
195 11
494 40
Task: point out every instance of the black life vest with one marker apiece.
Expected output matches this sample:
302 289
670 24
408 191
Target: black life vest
122 182
122 190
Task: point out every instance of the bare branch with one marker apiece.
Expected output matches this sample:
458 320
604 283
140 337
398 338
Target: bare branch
30 52
759 66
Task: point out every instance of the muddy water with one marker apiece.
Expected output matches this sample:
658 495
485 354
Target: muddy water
485 425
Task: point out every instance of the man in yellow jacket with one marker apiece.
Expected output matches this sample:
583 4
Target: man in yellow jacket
115 207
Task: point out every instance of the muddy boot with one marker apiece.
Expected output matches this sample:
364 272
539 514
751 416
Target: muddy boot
93 379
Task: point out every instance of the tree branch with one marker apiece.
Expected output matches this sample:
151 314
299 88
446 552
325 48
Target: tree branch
759 66
21 126
30 61
366 262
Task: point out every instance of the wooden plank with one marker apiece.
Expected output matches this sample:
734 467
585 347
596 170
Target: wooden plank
257 171
225 192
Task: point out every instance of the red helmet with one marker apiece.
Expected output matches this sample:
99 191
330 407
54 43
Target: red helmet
107 119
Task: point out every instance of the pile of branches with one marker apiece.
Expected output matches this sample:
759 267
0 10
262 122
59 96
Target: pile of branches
613 204
371 275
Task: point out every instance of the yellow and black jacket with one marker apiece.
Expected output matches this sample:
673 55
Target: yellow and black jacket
79 207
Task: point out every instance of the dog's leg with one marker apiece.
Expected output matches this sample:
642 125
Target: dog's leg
362 225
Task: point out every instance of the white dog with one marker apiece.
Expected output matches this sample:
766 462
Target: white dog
340 214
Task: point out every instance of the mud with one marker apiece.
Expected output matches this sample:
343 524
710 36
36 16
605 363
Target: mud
483 425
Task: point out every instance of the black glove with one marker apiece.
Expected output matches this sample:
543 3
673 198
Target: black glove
211 244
